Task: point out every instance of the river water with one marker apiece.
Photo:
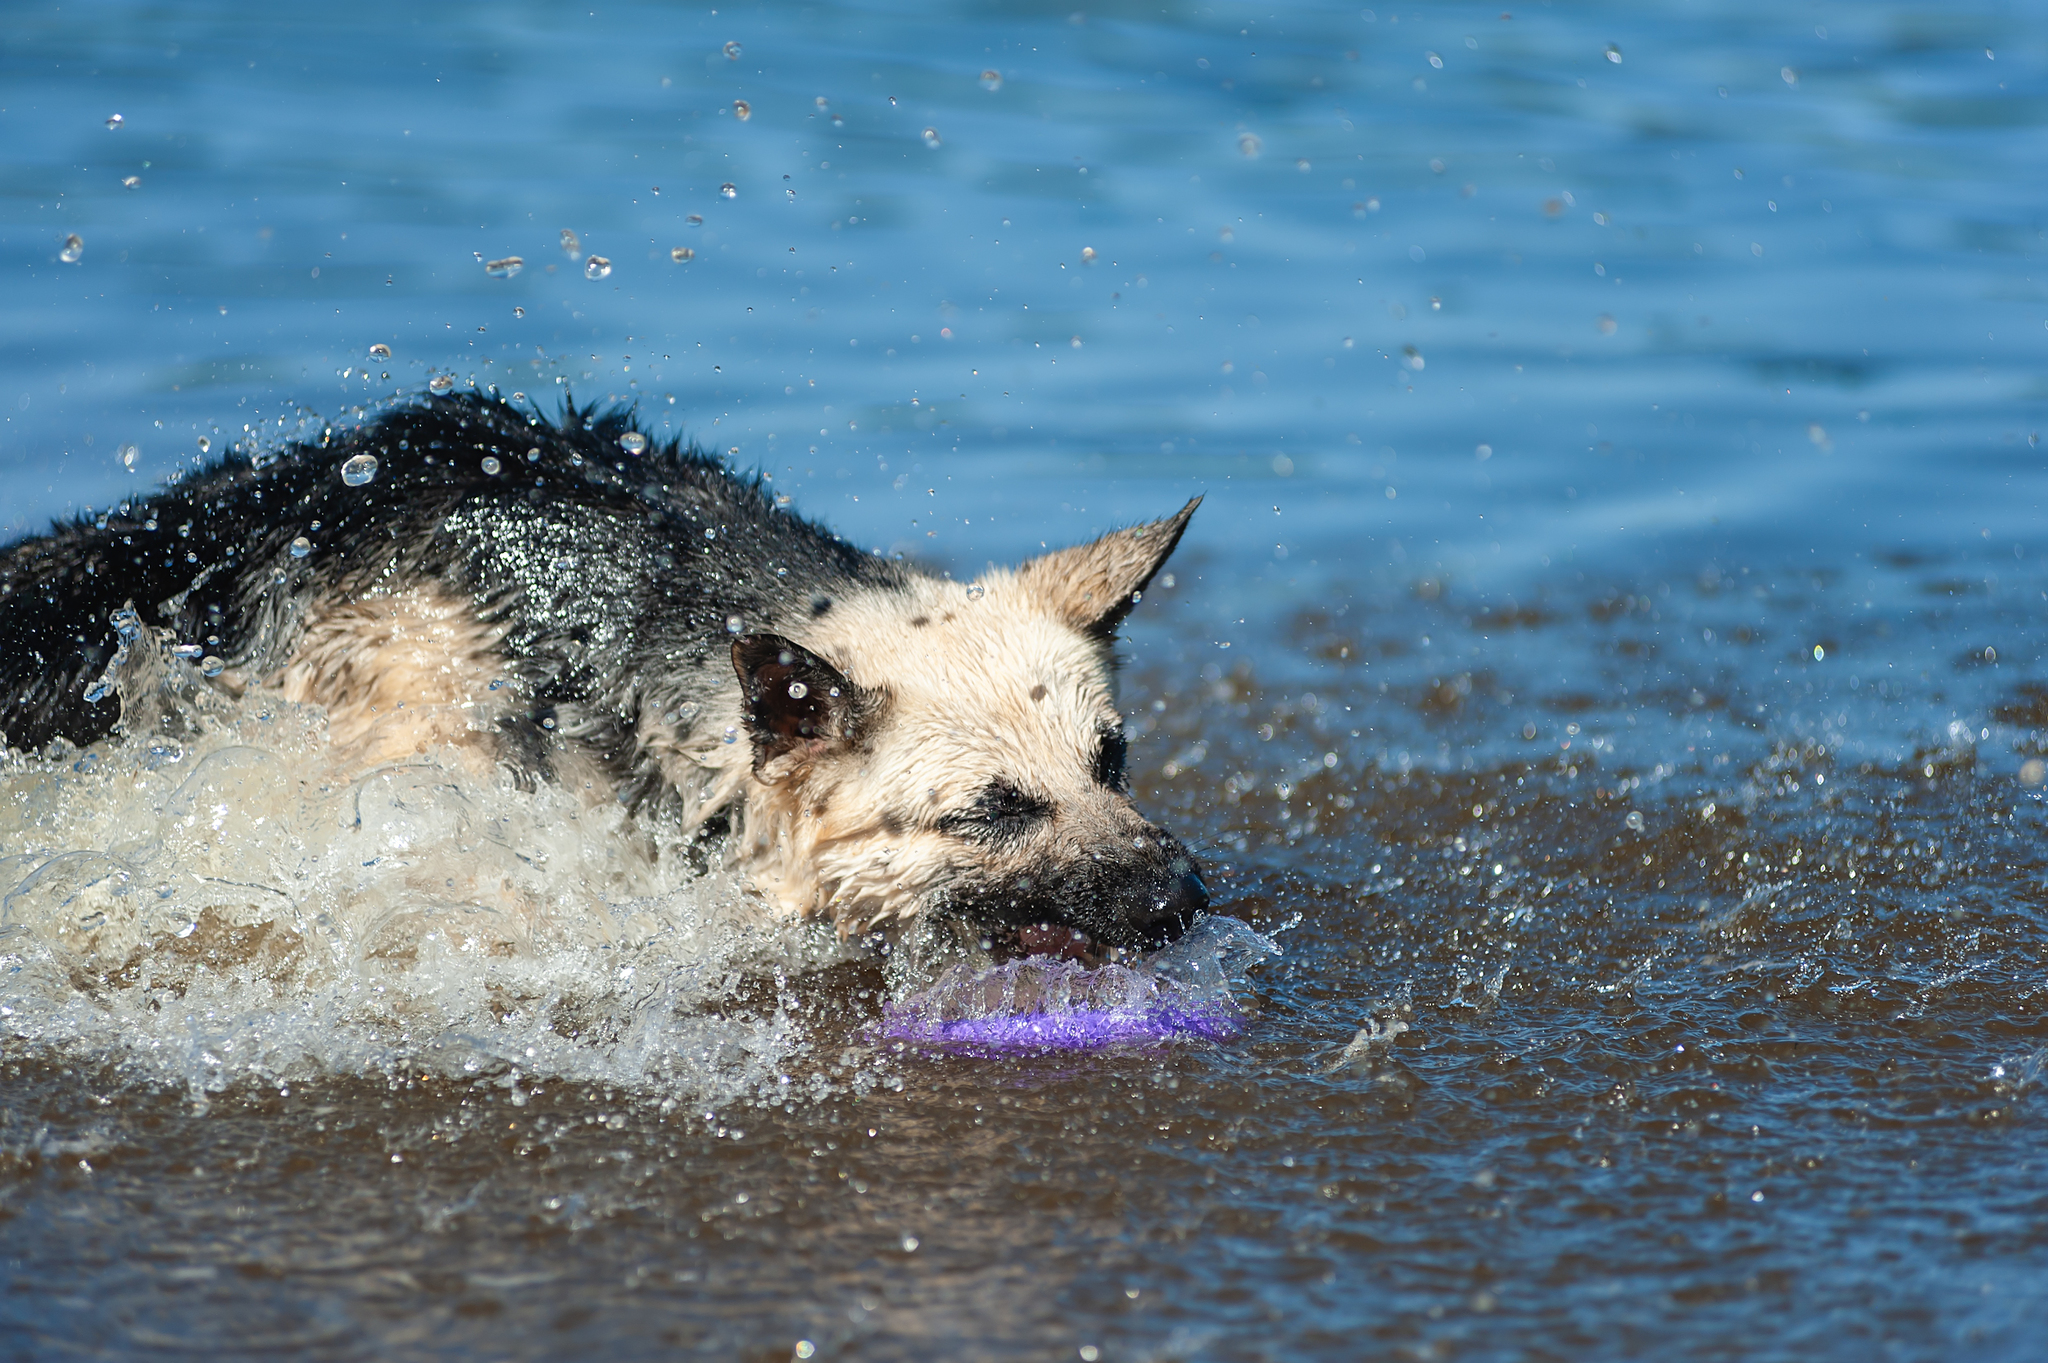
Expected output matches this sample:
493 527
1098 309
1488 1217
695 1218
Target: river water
1608 660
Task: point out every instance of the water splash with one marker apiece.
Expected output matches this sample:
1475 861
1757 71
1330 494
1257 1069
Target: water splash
1043 1004
217 901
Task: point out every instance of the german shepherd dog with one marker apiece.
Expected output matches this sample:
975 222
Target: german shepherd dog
862 740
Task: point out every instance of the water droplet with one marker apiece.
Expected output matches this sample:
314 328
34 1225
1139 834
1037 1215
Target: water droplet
733 624
572 247
187 651
742 110
732 735
380 351
74 247
505 268
1788 75
728 190
1607 325
1088 253
797 690
301 546
212 666
1249 144
1412 357
359 470
440 384
491 465
1819 653
1434 60
695 219
931 138
516 312
1349 342
128 453
732 52
131 182
204 444
975 591
681 254
632 442
100 690
991 79
597 267
113 122
1075 343
1301 164
1614 54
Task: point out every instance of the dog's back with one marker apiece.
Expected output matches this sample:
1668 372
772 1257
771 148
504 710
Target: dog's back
486 542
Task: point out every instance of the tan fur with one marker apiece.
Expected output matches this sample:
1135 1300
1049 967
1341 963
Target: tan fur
399 674
1084 584
1009 677
995 682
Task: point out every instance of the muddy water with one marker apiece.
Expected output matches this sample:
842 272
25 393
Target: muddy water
1608 661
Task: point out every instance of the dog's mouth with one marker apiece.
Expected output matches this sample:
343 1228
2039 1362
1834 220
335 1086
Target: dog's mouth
1060 941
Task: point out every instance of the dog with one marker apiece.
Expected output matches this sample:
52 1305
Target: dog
862 740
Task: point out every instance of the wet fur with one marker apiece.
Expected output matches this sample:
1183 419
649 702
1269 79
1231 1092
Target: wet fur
635 625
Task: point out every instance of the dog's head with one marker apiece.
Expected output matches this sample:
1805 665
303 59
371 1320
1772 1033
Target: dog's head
954 751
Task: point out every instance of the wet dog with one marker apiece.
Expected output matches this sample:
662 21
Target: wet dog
864 741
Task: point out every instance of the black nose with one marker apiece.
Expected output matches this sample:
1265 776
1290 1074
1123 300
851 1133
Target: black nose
1172 909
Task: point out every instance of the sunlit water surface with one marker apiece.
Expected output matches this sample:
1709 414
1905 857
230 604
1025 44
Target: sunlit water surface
1608 658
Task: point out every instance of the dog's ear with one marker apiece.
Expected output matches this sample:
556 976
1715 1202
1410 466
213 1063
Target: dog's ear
1093 586
793 701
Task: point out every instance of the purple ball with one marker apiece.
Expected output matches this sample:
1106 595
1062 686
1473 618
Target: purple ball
1081 1029
1040 1004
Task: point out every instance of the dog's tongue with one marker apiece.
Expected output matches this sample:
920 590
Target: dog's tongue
1050 939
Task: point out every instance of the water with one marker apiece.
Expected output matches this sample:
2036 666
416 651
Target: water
1612 627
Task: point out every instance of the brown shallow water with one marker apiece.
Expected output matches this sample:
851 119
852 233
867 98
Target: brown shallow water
1695 1036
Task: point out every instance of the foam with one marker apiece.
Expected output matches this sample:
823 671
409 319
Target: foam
210 900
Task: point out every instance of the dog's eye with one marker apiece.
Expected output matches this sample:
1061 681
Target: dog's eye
1002 813
1110 758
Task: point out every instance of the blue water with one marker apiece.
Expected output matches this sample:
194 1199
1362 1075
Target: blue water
1667 378
1829 218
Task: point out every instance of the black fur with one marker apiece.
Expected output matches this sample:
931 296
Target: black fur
685 546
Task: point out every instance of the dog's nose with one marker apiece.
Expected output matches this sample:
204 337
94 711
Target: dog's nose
1172 912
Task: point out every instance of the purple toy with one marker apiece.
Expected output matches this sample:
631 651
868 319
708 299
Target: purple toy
1040 1003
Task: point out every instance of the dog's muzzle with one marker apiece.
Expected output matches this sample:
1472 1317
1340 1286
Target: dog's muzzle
1103 908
